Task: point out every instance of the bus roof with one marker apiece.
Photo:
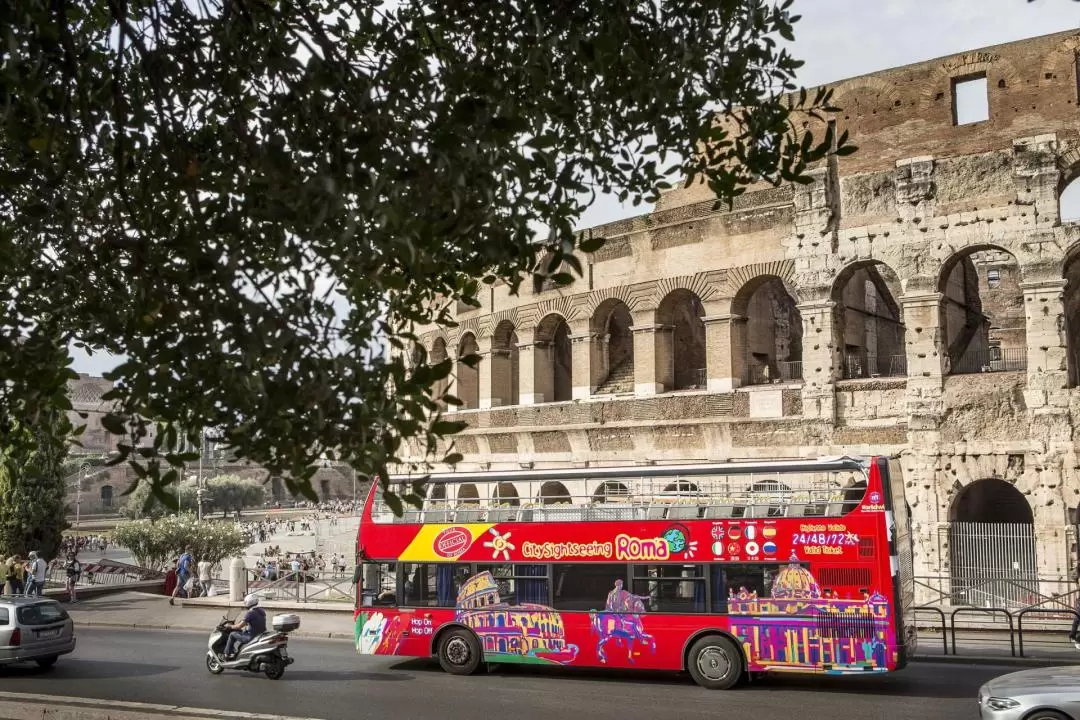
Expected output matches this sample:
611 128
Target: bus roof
826 464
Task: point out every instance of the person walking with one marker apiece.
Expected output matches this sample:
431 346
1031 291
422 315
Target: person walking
183 573
204 577
73 570
16 573
35 575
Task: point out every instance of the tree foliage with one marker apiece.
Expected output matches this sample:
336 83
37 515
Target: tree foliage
154 543
229 493
191 185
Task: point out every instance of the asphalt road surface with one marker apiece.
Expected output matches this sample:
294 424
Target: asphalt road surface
330 681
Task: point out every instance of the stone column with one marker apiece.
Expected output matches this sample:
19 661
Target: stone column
537 378
820 358
653 369
725 351
927 359
485 370
1047 348
587 371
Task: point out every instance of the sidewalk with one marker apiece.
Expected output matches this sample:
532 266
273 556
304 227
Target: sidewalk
20 706
152 612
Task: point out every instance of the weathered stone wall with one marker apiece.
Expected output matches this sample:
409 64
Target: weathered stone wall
931 207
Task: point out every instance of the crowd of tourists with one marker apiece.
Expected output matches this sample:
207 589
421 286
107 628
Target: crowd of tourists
28 576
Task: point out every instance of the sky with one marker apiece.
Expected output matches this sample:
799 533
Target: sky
840 39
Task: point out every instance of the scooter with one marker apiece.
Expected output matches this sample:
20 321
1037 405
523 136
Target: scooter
267 653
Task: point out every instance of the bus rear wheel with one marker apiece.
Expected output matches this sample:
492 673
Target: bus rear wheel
459 653
715 663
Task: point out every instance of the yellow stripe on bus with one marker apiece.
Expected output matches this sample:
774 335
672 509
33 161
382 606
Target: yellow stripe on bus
422 547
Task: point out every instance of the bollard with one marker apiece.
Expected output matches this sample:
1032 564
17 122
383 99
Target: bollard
237 580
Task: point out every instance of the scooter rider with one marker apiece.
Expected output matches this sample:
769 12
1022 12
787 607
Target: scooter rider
251 626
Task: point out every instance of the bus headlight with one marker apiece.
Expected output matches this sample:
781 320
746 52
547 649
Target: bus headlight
996 703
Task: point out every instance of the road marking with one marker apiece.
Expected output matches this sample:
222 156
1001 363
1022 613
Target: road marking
88 705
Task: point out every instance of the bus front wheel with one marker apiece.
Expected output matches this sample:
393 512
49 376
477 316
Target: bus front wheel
715 663
459 653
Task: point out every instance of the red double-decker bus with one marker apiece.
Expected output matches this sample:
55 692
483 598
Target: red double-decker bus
717 569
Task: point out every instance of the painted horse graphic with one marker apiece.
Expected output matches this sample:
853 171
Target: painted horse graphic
620 621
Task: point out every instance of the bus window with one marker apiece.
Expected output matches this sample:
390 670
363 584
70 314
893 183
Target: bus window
671 588
747 579
519 584
379 585
587 586
433 585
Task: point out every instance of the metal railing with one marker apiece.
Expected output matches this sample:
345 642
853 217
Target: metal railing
303 586
784 372
990 360
858 366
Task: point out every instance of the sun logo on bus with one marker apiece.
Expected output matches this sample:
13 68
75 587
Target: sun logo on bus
500 544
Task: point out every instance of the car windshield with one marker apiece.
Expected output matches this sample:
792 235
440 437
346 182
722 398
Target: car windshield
41 614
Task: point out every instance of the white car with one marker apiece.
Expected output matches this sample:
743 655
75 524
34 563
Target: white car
1043 694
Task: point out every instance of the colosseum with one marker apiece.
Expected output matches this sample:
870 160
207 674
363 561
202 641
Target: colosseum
919 298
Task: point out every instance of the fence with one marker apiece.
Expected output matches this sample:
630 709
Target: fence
992 564
870 366
787 371
105 572
990 360
310 586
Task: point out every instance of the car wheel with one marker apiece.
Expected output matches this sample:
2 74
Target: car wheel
458 652
715 663
1047 715
274 668
47 663
214 665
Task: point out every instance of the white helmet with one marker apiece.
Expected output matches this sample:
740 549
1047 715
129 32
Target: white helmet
251 601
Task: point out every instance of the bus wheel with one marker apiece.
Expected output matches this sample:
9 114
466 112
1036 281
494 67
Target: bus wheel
459 653
715 663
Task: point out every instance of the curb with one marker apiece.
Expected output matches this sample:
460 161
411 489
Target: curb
993 660
188 628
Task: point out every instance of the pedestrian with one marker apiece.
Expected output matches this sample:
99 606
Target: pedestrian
73 570
183 574
35 575
204 577
16 573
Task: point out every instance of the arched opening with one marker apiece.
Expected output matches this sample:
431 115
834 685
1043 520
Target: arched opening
680 345
277 489
468 495
553 361
869 322
992 546
681 487
324 489
611 490
468 377
769 348
436 494
983 321
506 494
772 498
612 349
554 492
1072 313
505 376
437 355
1069 200
106 497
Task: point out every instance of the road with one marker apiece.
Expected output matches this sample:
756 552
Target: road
329 681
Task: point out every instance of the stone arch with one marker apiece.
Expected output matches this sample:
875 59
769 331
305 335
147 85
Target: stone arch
610 489
1059 65
1071 299
992 550
1069 185
681 487
106 497
767 341
870 93
437 494
983 322
553 361
938 86
468 376
505 365
467 494
554 492
436 355
869 321
612 365
506 494
772 496
680 341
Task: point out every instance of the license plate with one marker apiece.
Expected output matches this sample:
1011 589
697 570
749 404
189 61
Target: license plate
45 634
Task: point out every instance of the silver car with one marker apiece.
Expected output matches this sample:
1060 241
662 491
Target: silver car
34 629
1044 694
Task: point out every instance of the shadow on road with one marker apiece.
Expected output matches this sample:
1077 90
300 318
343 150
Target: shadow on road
310 676
86 669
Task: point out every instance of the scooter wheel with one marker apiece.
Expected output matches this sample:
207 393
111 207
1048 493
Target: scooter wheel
214 665
274 668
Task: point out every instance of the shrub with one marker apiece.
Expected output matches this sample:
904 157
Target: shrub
155 542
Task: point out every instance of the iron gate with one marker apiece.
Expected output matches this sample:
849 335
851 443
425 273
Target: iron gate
992 564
